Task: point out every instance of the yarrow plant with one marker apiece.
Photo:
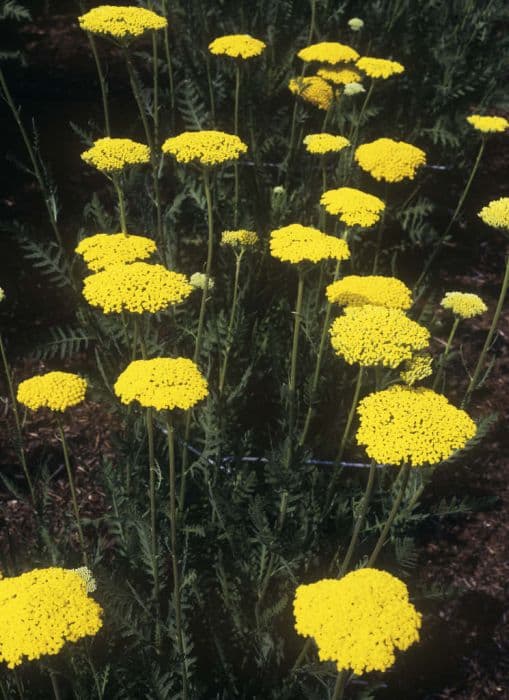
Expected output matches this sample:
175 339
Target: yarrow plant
354 290
57 391
379 68
122 23
331 52
320 144
353 207
113 155
463 304
488 125
389 160
314 90
339 77
296 244
241 46
104 249
206 148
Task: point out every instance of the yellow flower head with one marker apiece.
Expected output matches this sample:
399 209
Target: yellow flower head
463 304
331 52
376 335
319 144
488 124
296 243
204 147
113 155
379 67
417 369
353 207
339 77
136 287
41 611
163 383
390 160
314 90
124 23
240 238
237 46
496 213
357 621
55 390
105 249
372 289
403 425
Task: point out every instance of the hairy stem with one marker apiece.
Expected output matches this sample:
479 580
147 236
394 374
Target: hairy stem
153 531
443 359
233 311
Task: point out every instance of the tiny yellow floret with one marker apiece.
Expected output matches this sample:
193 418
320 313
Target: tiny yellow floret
357 621
121 22
404 425
496 213
389 160
240 238
54 390
464 304
105 249
205 148
314 90
163 383
379 67
354 290
136 287
375 335
488 124
418 368
296 243
237 46
113 155
331 52
320 144
42 610
353 207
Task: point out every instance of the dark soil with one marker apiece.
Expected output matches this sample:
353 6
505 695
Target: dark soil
464 652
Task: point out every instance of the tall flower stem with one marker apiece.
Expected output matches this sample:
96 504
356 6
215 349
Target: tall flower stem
70 477
233 312
236 131
443 359
339 687
102 82
174 557
405 473
461 201
54 684
312 22
354 131
121 203
153 532
17 422
169 64
489 338
47 194
199 333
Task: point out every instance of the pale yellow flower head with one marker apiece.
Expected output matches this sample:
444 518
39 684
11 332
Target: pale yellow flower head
239 239
105 249
320 144
355 24
371 289
237 46
389 160
54 390
198 280
136 288
42 610
488 124
113 155
206 148
163 383
496 213
359 620
353 207
339 77
463 304
331 52
414 426
379 67
353 89
121 22
418 368
296 243
314 90
376 335
2 294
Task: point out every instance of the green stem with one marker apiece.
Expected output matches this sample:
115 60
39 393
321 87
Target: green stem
292 384
153 531
392 515
67 463
174 557
312 23
102 83
54 685
121 203
461 201
48 196
443 359
229 336
169 64
487 344
339 688
19 434
236 131
354 132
